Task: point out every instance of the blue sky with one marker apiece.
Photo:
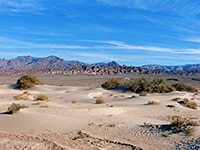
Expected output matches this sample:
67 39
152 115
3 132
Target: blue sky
131 32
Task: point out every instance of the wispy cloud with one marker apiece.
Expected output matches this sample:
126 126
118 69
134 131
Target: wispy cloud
181 7
16 6
94 45
196 40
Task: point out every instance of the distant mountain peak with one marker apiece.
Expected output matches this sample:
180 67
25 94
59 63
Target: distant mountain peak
54 57
103 64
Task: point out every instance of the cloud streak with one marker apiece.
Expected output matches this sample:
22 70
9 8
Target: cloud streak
93 44
16 6
181 7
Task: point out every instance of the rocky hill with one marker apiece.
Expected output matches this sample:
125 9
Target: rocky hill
173 68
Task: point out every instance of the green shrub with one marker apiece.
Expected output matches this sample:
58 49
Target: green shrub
183 87
15 107
144 85
111 84
28 81
42 98
160 86
139 85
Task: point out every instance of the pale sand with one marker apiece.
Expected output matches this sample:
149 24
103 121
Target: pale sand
117 124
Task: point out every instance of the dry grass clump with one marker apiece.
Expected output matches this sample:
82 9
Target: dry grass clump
21 97
15 107
24 96
143 94
45 106
99 101
28 81
153 103
74 101
192 105
187 103
177 99
111 84
37 103
42 98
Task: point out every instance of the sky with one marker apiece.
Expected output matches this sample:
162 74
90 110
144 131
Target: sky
131 32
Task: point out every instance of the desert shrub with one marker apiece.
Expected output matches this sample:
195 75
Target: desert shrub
187 103
28 81
133 96
144 85
143 94
184 87
99 101
139 85
15 107
180 124
74 101
26 93
192 105
177 99
42 98
153 103
111 84
160 86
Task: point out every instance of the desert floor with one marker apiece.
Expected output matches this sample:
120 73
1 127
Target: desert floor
122 122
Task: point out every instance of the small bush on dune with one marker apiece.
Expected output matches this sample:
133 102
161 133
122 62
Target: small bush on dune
42 98
192 105
153 103
143 94
187 103
21 97
15 107
111 84
44 106
180 124
184 87
99 101
74 101
28 81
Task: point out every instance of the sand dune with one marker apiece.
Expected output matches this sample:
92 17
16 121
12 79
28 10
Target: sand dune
116 124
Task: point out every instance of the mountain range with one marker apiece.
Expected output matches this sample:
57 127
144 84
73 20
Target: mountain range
173 68
55 65
29 62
